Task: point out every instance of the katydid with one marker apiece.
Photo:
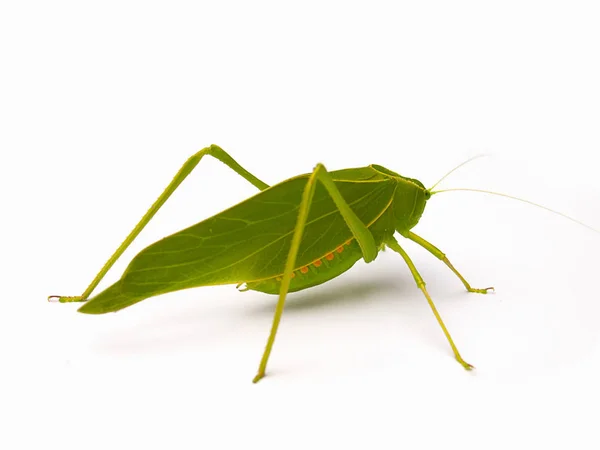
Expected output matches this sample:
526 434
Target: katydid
288 237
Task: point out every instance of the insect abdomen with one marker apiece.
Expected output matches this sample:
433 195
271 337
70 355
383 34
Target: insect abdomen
331 265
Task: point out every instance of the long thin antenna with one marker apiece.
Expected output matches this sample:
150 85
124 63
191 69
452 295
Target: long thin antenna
456 168
519 199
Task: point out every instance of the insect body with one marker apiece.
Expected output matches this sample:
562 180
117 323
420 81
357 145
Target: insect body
291 236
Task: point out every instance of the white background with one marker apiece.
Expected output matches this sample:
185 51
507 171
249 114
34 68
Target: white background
101 103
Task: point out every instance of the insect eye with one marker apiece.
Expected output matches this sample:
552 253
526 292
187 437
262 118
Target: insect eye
427 195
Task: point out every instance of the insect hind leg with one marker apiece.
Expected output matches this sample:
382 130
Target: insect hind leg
214 151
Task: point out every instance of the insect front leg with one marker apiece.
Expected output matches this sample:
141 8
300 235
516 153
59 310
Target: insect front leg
393 244
359 230
186 169
441 256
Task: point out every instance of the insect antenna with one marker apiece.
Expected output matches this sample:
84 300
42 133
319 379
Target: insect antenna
519 199
456 168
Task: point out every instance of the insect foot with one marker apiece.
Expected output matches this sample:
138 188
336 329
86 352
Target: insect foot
64 299
483 291
258 377
465 364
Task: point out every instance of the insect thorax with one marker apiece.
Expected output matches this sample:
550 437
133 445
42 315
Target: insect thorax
409 203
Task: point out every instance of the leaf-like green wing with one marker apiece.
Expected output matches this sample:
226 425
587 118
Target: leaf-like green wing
109 300
250 240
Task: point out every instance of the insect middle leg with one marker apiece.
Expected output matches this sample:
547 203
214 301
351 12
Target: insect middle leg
359 230
214 151
441 256
393 244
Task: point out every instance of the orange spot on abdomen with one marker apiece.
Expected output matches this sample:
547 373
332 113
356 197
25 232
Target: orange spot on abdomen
329 256
304 269
317 263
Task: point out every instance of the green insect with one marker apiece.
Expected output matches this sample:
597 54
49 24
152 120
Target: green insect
291 236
